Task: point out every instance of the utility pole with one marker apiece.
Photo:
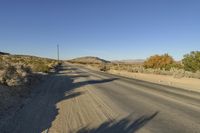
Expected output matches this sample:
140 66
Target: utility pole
58 52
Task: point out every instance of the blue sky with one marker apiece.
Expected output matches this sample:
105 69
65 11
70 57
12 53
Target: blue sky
110 29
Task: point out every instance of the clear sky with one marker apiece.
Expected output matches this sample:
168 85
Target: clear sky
110 29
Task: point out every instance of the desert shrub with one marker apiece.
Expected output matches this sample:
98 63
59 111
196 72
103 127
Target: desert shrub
40 67
104 67
197 75
136 69
191 61
16 70
23 69
1 59
14 75
159 61
2 65
10 72
177 73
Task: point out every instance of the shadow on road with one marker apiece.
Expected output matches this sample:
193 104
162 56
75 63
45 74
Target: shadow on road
40 111
37 115
124 125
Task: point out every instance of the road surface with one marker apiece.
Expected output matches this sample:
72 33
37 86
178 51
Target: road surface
79 100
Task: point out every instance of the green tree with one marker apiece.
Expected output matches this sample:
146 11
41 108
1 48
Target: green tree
191 61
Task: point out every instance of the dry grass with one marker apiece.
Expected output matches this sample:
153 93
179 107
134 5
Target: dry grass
15 69
17 75
36 64
176 72
136 68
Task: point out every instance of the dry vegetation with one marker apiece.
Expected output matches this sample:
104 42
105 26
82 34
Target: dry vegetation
15 69
17 75
89 60
158 64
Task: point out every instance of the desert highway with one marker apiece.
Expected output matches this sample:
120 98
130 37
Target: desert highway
79 100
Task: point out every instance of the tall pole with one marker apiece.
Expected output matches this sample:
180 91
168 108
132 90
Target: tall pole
58 52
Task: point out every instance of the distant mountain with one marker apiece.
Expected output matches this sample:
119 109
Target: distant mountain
131 61
3 53
89 60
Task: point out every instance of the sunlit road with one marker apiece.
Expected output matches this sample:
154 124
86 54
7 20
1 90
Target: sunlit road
85 101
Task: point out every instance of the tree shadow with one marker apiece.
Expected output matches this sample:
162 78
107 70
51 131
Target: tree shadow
67 69
73 95
124 125
91 82
78 76
37 114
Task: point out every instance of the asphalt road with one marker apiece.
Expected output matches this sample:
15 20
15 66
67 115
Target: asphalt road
111 104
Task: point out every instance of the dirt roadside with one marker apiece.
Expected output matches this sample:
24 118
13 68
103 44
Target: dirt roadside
64 103
182 83
190 84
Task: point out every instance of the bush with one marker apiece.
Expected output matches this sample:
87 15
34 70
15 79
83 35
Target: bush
159 61
191 61
104 67
40 67
17 70
14 75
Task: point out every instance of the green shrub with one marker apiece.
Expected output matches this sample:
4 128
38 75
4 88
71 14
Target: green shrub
191 61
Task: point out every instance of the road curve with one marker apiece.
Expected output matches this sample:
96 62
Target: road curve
79 100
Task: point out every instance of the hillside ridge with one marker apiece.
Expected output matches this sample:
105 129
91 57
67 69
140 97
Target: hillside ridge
89 59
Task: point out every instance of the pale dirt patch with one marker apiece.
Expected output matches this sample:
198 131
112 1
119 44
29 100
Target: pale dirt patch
185 83
87 110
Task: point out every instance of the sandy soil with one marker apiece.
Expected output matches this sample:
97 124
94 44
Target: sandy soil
86 109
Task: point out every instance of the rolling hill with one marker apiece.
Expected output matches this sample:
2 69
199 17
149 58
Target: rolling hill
89 60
